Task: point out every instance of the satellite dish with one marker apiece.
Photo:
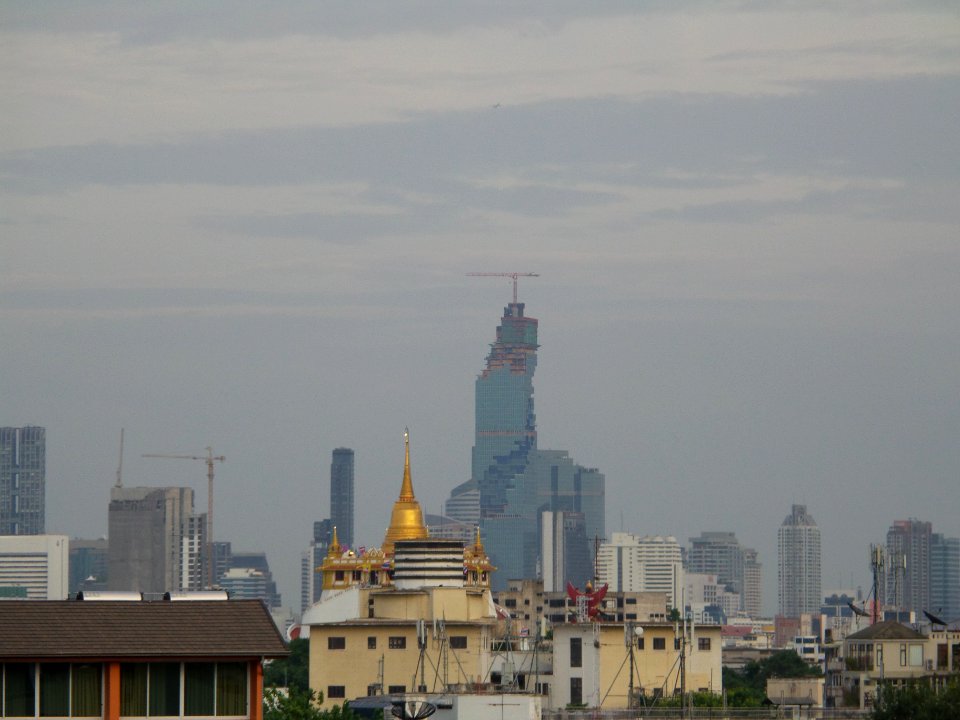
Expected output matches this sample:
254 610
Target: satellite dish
413 709
858 611
637 630
934 619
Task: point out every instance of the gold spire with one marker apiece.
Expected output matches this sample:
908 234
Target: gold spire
478 543
406 489
406 520
334 548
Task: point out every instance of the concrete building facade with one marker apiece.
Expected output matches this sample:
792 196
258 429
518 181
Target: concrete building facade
149 545
35 567
591 663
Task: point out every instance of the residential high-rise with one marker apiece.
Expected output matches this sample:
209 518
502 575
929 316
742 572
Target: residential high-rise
652 563
23 470
736 567
908 565
341 494
752 594
720 554
945 577
515 480
154 541
798 555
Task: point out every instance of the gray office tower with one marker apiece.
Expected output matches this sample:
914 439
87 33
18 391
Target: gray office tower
23 469
516 480
341 495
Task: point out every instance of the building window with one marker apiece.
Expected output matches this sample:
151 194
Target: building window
19 692
336 643
198 680
164 689
660 643
576 652
336 691
903 654
676 643
640 643
916 655
209 689
510 602
703 643
576 691
397 643
396 689
371 643
458 642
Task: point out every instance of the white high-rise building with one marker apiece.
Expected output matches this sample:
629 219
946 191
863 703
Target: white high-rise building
798 553
36 567
652 563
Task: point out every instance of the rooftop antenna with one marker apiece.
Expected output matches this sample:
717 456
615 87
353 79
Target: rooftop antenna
120 464
513 275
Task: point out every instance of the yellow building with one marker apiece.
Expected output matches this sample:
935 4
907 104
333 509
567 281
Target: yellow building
591 664
413 616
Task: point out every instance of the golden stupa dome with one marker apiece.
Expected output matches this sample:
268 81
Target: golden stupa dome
406 520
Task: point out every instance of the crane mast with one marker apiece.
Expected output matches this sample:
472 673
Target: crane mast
209 459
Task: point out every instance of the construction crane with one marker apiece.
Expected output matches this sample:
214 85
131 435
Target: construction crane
513 275
209 459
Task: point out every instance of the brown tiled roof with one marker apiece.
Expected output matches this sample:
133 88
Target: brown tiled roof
886 630
130 629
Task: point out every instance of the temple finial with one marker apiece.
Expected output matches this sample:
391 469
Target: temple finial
406 489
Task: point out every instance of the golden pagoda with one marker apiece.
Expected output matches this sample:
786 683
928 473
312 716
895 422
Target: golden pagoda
476 563
406 520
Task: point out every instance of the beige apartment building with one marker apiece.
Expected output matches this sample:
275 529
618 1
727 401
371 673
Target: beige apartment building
591 662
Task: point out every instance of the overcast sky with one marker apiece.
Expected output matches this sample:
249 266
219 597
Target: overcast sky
249 225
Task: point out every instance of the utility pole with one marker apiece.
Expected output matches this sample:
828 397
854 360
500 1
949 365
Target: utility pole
209 459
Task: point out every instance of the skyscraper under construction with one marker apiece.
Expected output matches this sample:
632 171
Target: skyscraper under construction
515 480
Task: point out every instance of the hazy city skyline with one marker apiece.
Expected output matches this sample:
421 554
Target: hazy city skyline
250 227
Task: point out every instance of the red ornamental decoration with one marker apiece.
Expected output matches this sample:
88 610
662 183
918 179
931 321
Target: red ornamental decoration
586 602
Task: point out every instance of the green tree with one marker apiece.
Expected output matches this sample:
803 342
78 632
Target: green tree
301 705
291 671
918 701
748 688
